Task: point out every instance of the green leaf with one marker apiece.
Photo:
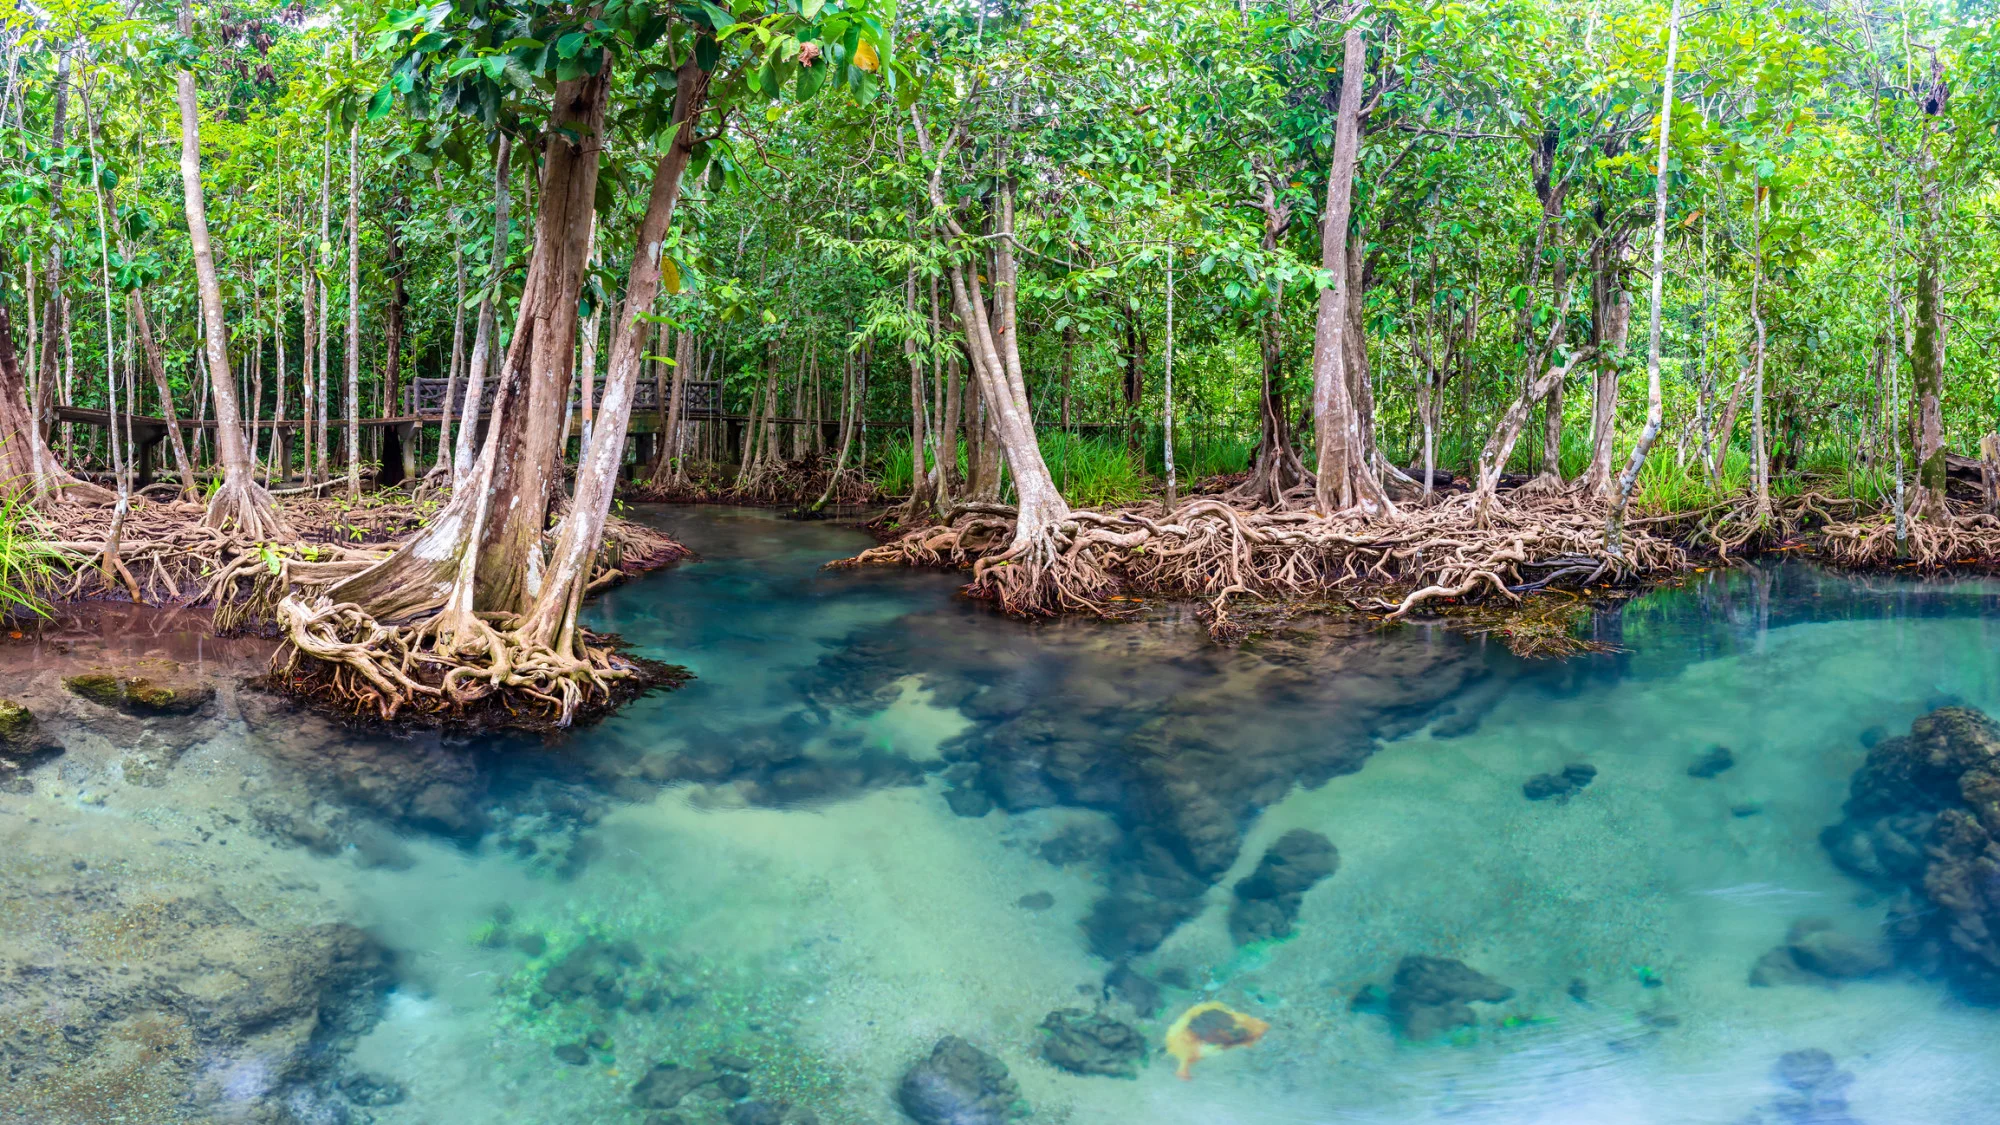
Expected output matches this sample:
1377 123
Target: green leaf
718 17
811 78
378 106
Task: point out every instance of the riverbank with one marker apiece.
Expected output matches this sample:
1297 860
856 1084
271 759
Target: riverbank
335 654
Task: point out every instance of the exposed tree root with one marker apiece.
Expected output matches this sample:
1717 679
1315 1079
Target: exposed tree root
1207 548
1965 536
485 671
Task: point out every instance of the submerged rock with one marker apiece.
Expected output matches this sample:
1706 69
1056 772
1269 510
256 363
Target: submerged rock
1207 1028
754 1113
1434 994
22 743
1565 783
370 1089
1717 761
1923 814
667 1083
1813 1092
1170 755
144 696
1125 983
1090 1043
1814 952
959 1084
1268 900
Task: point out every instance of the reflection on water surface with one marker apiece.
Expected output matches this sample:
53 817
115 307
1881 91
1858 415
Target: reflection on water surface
1350 876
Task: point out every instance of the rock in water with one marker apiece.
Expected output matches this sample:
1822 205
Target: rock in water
1086 1043
1268 900
1819 948
1923 813
666 1084
754 1113
1433 994
1125 983
1709 765
1207 1028
143 696
958 1085
22 743
1564 784
1814 1091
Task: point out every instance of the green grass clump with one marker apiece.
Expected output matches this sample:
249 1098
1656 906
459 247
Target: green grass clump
26 573
1094 472
1667 487
892 468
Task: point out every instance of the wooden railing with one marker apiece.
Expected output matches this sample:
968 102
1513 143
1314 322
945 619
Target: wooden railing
424 398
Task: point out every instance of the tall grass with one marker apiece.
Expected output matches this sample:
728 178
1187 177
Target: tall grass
26 574
1667 487
1198 456
1094 472
1844 468
1573 458
892 467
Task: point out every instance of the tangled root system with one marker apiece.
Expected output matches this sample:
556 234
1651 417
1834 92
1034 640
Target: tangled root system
1211 549
1963 536
477 671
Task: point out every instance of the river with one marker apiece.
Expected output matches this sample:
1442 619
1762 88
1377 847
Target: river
880 815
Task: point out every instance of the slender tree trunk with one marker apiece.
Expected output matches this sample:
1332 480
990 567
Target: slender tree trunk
241 503
1760 452
28 467
1500 446
670 453
920 482
484 342
1611 314
354 311
1614 526
1277 467
156 367
441 471
278 467
323 314
1927 379
306 396
1346 478
399 299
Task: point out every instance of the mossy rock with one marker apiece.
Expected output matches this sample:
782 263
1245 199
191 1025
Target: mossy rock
140 695
17 724
22 743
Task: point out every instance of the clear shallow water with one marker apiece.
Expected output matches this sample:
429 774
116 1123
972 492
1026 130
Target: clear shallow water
776 860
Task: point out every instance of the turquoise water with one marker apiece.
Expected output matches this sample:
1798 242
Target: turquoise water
880 815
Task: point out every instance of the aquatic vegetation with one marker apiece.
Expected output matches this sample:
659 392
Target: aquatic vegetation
1208 1028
